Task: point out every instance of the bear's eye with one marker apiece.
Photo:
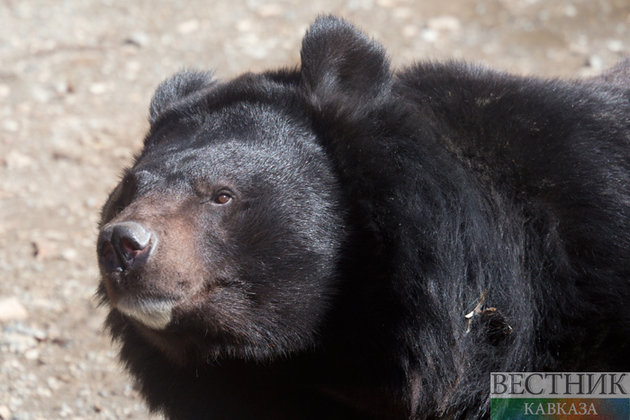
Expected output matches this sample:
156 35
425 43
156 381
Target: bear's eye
222 198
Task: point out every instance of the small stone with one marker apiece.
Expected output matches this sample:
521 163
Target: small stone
596 62
44 392
12 310
53 383
570 10
594 65
445 23
387 4
91 203
138 38
98 88
62 87
244 25
270 10
18 160
133 66
614 45
429 35
402 13
188 27
365 5
65 411
5 413
31 354
11 126
5 90
41 94
69 254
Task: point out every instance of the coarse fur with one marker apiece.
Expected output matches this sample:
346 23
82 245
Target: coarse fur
368 213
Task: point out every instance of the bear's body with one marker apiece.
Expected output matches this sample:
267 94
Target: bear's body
341 242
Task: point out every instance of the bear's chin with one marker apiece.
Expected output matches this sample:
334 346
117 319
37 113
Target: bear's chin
152 313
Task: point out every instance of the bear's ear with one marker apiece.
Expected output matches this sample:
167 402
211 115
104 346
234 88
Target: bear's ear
341 64
176 88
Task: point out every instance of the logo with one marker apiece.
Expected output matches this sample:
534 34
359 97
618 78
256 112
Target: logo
551 395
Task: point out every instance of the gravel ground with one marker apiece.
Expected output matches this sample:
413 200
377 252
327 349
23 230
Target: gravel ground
76 77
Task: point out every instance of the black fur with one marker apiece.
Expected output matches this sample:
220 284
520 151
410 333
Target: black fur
371 211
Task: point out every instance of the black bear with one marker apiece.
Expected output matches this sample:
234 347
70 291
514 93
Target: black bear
340 241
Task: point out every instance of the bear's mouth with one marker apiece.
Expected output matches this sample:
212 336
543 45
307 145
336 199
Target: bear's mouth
151 312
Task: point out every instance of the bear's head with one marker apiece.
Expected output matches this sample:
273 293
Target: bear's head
223 238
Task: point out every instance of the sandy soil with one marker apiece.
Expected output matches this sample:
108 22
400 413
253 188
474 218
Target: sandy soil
76 77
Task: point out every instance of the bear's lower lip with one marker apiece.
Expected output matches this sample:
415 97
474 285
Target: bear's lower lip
151 312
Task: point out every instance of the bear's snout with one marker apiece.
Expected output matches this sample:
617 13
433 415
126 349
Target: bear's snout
125 246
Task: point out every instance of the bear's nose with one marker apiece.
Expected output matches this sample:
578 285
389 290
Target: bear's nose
125 246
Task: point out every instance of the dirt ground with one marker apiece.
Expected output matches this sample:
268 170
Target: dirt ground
76 77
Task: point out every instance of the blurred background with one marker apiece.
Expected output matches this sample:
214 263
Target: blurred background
76 78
